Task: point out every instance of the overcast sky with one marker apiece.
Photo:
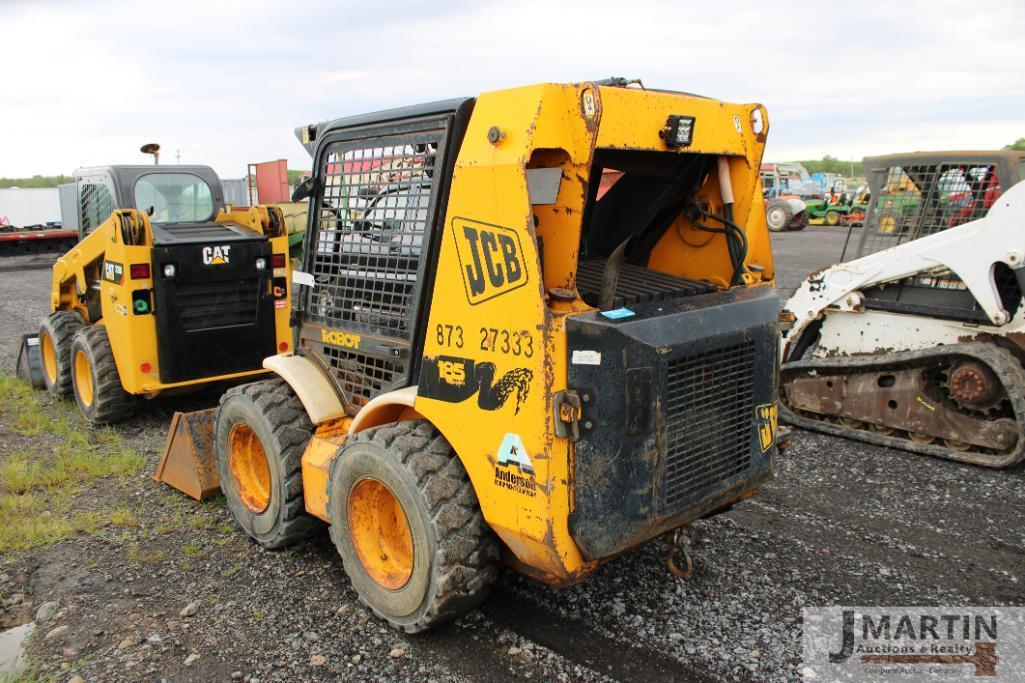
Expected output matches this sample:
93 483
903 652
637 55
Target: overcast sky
225 83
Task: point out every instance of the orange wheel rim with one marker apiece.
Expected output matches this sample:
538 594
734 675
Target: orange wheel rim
247 462
83 378
49 357
380 533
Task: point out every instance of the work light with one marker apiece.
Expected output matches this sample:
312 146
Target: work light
678 132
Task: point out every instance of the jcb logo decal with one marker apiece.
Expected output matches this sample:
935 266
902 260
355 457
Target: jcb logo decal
490 258
336 338
766 420
113 272
216 256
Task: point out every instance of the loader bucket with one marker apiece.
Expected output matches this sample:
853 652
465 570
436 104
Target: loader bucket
189 462
30 361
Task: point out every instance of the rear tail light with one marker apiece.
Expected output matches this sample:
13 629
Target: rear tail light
140 271
278 260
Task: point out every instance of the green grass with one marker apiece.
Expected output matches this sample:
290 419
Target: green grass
124 517
134 553
202 522
39 489
230 571
194 549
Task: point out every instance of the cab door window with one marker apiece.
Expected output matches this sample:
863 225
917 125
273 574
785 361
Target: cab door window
95 205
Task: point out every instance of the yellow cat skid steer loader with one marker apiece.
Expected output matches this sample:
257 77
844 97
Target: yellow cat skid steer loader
168 290
492 362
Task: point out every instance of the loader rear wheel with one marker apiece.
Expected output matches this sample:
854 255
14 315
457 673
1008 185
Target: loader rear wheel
261 431
832 218
405 519
95 380
55 335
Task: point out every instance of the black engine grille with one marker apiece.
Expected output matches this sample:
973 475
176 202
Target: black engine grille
212 305
636 285
360 376
709 409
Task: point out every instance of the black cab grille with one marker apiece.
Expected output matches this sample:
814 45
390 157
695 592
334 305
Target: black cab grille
361 376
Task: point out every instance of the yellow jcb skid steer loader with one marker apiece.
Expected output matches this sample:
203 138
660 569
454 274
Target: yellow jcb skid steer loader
171 295
537 325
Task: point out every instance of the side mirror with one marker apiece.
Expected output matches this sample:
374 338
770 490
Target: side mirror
150 210
304 189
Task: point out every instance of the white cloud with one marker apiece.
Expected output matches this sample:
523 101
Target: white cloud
227 82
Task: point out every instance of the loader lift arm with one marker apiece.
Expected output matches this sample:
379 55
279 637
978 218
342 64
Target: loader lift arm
970 251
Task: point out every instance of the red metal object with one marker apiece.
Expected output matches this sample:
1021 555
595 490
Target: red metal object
37 235
609 177
20 242
271 182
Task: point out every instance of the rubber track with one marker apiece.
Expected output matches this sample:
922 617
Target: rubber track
63 326
466 554
1000 361
111 403
292 430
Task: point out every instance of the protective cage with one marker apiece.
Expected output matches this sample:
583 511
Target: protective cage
916 195
368 246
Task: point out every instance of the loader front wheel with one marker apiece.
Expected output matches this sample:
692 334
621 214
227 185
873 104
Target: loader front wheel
405 519
261 431
55 335
778 215
95 379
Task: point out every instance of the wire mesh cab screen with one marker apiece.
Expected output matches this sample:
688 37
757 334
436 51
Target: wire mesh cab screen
366 250
918 200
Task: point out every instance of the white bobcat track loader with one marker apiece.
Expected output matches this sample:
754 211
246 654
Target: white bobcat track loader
920 346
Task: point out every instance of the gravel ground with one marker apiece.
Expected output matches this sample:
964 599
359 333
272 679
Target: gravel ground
184 596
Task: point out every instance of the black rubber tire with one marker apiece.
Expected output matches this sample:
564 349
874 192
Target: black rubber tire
832 218
60 327
786 213
278 418
455 551
111 403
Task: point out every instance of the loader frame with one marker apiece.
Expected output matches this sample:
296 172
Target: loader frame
522 160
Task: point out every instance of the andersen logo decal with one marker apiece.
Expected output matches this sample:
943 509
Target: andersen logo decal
513 468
